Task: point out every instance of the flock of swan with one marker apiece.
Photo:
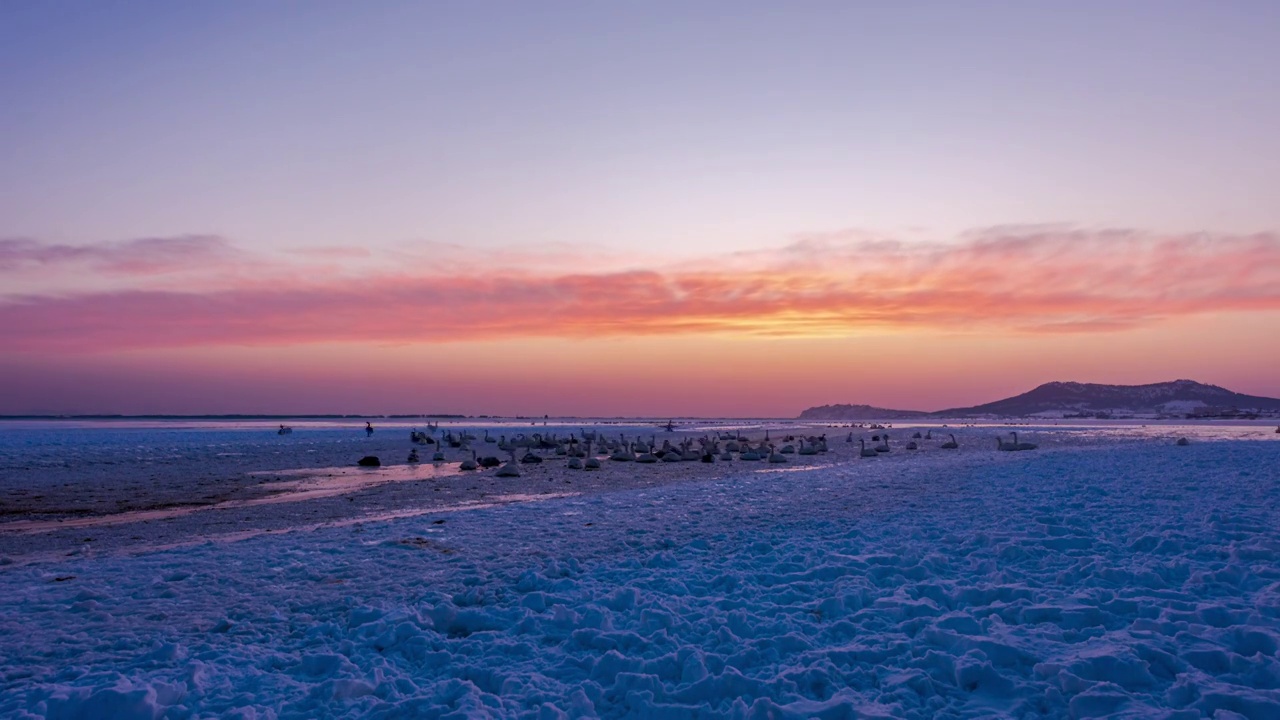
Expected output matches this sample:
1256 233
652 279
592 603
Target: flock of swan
588 450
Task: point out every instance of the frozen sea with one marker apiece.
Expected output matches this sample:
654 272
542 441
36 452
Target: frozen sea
181 570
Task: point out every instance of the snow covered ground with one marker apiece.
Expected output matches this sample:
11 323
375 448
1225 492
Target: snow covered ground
1093 577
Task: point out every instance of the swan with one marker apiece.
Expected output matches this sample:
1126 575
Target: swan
575 463
950 444
850 438
647 458
469 464
1023 445
916 436
1183 441
592 462
1005 446
775 457
866 451
489 439
286 430
726 456
531 458
368 429
623 455
884 446
511 469
748 454
413 456
438 455
912 445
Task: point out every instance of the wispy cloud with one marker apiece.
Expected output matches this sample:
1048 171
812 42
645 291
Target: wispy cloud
1045 279
142 256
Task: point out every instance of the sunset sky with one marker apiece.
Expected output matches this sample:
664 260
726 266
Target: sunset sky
661 209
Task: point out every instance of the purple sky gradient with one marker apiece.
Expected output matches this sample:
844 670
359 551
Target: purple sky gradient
201 147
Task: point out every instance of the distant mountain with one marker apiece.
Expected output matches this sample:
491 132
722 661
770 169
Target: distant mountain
858 412
1179 398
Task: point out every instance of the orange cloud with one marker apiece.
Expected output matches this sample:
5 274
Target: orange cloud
1037 279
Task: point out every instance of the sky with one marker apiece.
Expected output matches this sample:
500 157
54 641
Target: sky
718 208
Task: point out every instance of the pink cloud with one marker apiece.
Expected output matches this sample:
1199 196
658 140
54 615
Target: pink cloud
1040 279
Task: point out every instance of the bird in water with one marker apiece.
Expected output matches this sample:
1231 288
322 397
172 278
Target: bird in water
950 444
866 451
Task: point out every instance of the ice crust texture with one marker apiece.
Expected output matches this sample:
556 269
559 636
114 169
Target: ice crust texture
1129 580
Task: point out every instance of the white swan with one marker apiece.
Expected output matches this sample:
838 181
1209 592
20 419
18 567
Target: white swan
470 463
511 469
